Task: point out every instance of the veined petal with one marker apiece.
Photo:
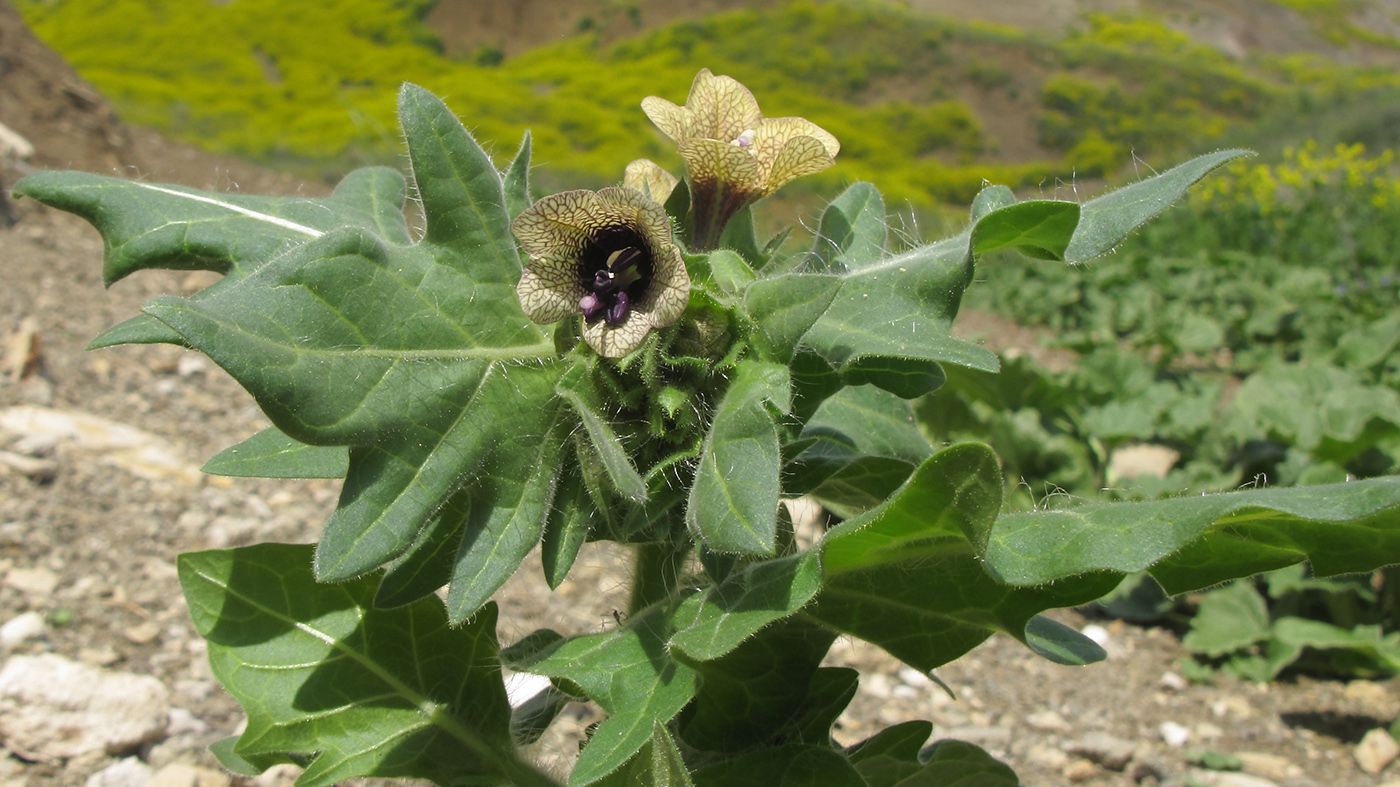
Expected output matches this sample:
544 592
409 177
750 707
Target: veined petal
667 116
615 341
709 161
669 293
648 177
773 133
799 156
549 290
629 206
556 226
719 107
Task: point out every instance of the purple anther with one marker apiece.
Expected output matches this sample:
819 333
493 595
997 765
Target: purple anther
618 311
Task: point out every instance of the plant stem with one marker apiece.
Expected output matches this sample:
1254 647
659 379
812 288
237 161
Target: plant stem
656 571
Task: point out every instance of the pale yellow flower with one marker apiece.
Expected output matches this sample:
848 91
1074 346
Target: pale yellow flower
733 155
648 177
606 255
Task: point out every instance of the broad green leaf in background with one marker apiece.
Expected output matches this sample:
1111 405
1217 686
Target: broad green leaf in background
908 576
364 692
1228 619
1364 649
1194 542
272 454
733 504
629 674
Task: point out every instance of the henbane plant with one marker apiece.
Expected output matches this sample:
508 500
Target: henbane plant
635 365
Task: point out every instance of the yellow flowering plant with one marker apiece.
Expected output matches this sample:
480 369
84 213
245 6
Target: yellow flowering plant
598 366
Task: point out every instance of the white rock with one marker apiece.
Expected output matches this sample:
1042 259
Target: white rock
523 686
1047 720
139 453
877 685
191 363
1369 698
914 678
130 772
21 628
33 581
1047 757
1141 461
1104 749
1226 779
1270 766
1208 732
14 146
1174 734
183 722
1097 633
51 707
1173 681
277 776
179 774
1375 751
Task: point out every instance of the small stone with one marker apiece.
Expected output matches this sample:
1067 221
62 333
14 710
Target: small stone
183 722
278 776
1369 698
39 446
130 772
38 470
904 692
191 364
914 678
179 774
1270 766
877 685
1208 732
21 628
34 581
142 633
1047 757
1172 681
1232 705
1104 749
51 707
1376 750
1174 734
1080 771
1226 779
1097 633
990 738
1141 461
1047 720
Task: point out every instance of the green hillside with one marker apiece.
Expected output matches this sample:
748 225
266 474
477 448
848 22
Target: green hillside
921 105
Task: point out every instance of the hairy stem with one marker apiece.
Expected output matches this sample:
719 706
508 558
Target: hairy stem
656 571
